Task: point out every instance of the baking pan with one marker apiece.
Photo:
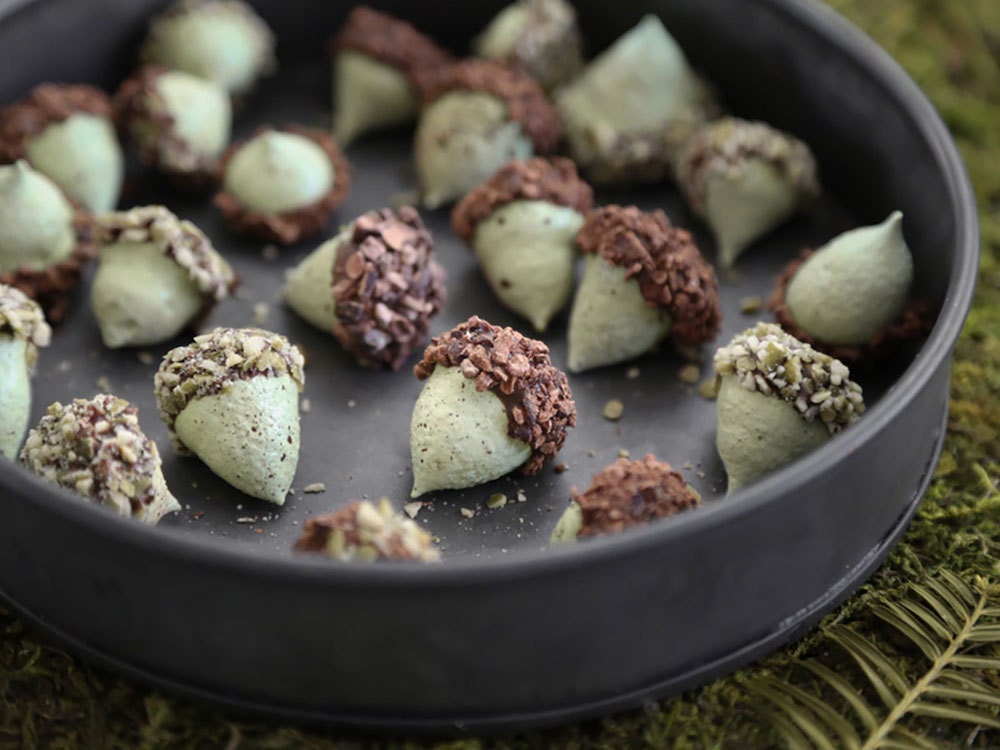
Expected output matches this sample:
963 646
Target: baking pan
504 634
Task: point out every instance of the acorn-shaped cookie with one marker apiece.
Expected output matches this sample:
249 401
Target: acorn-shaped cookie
851 296
97 449
644 280
223 41
22 330
633 106
44 241
375 286
522 223
374 57
745 179
156 276
231 397
365 532
477 116
778 399
179 122
67 134
283 185
493 402
540 35
622 495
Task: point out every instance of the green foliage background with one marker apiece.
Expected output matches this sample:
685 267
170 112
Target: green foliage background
952 49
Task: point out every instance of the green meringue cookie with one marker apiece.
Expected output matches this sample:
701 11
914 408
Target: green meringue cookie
275 172
527 254
778 399
248 435
569 525
232 398
462 138
309 286
640 87
853 286
15 393
458 435
223 41
97 449
36 220
200 110
82 156
541 35
140 296
611 321
369 95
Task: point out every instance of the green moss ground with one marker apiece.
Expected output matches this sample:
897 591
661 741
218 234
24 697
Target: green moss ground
952 49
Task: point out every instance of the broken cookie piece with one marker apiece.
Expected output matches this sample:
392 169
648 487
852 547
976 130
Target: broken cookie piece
745 179
97 449
477 116
66 133
374 58
644 280
22 331
522 223
366 532
179 122
231 397
623 495
283 185
493 402
44 241
375 286
778 399
851 297
157 275
542 36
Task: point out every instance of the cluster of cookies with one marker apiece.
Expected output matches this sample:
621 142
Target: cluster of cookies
486 132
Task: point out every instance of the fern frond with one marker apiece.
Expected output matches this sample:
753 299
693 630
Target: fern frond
949 621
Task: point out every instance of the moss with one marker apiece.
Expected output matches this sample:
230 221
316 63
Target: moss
952 49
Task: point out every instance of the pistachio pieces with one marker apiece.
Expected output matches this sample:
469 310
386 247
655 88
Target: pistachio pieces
521 224
66 133
540 35
778 399
374 58
283 185
477 116
644 280
622 495
157 275
367 532
231 398
223 41
97 449
851 297
179 122
632 107
44 242
493 402
745 179
22 330
375 286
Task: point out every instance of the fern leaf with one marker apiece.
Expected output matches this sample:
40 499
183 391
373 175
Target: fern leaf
873 663
954 599
948 616
910 740
957 678
928 618
794 739
965 694
954 712
985 663
909 626
839 734
955 585
985 634
842 686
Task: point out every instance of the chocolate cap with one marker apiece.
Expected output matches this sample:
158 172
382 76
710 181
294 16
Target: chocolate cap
48 103
518 370
389 40
526 101
663 259
22 318
554 180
